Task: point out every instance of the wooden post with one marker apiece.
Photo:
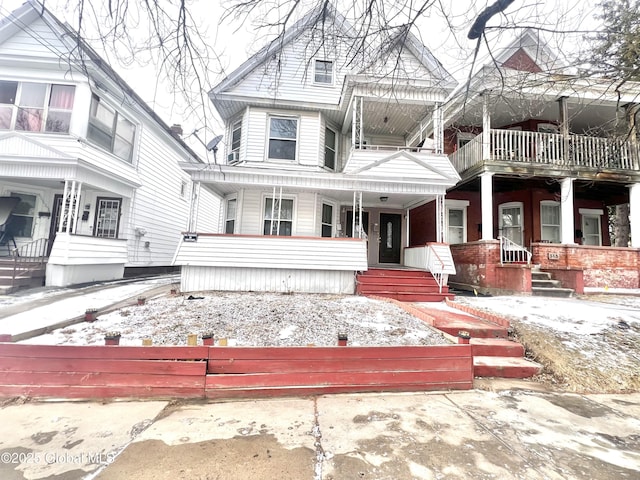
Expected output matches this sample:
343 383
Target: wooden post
192 339
112 338
147 342
207 339
342 339
5 337
222 342
90 314
141 300
463 337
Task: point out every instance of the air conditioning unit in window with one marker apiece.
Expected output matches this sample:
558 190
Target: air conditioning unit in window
233 158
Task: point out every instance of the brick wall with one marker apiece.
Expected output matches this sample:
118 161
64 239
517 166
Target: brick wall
478 267
602 267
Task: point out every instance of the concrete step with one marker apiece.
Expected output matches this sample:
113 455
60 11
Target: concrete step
546 283
496 347
504 367
538 275
552 292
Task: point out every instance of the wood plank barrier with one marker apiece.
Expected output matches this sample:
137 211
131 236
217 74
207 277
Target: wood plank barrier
276 371
102 371
227 372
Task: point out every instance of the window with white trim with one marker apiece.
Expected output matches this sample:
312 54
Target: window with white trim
462 138
283 138
230 217
278 216
591 226
236 138
327 220
323 72
550 221
110 130
22 217
330 149
35 107
456 221
107 221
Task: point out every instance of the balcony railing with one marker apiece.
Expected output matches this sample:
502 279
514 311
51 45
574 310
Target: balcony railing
549 149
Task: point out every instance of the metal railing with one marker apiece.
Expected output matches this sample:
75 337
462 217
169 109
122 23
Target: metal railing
29 257
511 252
436 266
550 149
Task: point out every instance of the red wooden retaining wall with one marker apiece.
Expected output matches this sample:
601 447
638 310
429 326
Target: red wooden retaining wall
226 372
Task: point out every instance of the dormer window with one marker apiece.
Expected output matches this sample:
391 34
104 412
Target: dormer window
323 73
110 130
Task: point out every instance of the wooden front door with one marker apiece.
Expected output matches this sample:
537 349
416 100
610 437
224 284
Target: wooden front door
390 237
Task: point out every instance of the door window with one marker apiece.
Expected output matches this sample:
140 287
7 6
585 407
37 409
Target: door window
511 221
591 230
550 221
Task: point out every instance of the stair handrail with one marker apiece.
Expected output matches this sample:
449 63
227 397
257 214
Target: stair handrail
29 256
511 252
433 259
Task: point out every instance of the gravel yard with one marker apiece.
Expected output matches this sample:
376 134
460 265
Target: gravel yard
255 319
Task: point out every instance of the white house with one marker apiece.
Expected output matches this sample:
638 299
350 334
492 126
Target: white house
326 156
96 170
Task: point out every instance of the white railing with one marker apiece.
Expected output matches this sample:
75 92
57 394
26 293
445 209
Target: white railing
549 149
436 266
394 148
29 257
511 252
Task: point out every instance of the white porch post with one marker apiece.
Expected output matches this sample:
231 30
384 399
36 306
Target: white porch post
567 223
438 129
357 128
440 223
70 206
486 128
634 214
486 202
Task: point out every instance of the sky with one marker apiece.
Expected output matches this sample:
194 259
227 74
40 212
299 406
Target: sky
231 41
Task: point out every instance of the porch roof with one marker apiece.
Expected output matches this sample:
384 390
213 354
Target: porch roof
401 190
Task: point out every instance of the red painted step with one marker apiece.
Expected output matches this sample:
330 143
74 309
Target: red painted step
496 347
401 284
504 367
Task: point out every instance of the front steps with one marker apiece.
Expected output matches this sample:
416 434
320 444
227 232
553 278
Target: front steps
401 284
34 278
494 355
544 286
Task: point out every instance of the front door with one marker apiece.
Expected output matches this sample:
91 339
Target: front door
390 238
55 221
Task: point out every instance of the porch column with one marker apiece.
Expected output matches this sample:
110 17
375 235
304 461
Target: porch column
440 221
70 206
632 113
634 214
357 130
438 129
486 202
486 129
567 222
564 128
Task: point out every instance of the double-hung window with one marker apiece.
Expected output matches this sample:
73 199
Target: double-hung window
327 220
283 136
236 138
230 219
550 221
278 216
323 72
35 107
110 130
330 149
456 221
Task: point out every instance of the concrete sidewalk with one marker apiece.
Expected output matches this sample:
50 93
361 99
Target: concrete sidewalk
30 313
512 433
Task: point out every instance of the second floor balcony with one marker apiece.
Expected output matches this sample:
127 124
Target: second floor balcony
548 152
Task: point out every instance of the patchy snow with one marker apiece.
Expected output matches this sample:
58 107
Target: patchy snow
254 319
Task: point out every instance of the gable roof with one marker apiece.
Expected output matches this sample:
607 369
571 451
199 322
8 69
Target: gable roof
88 62
327 13
533 45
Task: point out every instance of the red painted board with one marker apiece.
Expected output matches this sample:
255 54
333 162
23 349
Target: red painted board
92 392
337 365
168 367
435 351
335 378
101 351
97 378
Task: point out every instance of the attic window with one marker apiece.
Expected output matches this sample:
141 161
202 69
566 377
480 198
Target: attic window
323 72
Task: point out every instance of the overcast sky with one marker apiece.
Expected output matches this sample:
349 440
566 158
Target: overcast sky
234 42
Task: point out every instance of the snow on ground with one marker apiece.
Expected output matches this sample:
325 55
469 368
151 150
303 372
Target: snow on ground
255 319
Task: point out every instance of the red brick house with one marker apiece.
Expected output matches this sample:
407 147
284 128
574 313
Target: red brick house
543 155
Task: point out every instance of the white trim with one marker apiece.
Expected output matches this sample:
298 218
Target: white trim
456 203
272 116
591 211
333 72
590 214
457 206
507 205
284 196
225 218
551 203
335 215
